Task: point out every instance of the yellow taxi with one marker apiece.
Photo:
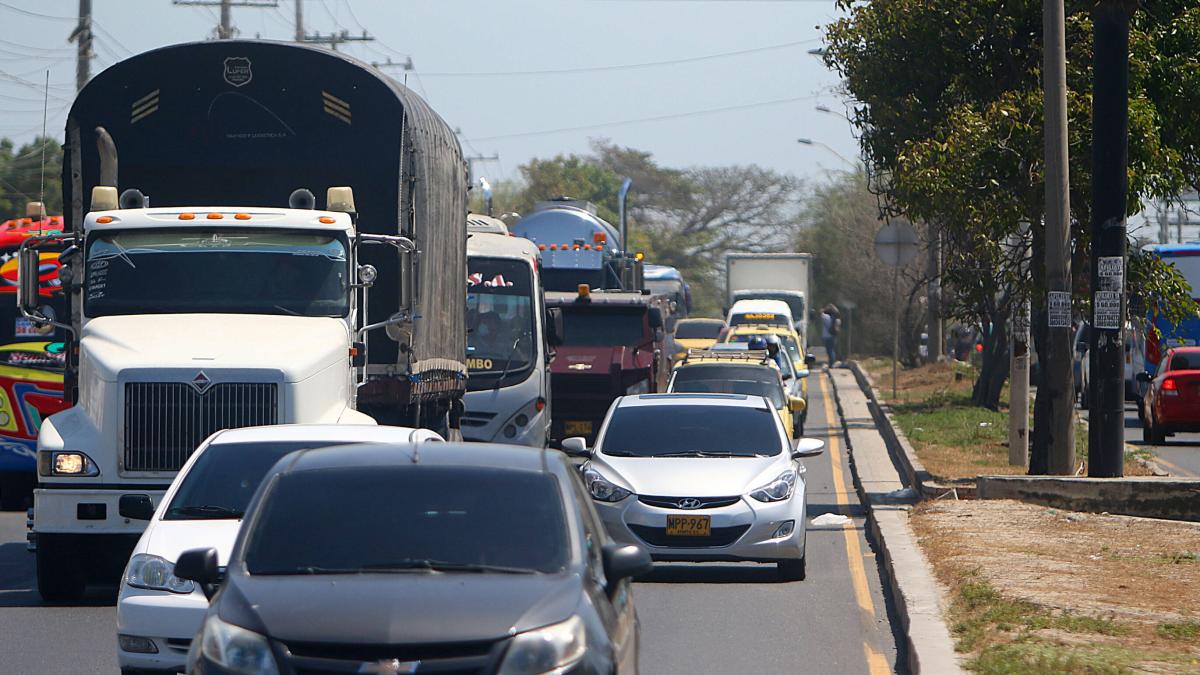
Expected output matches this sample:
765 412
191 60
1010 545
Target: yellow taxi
696 334
795 378
741 371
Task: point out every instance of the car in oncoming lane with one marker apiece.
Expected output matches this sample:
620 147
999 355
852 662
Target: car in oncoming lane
433 557
701 477
157 612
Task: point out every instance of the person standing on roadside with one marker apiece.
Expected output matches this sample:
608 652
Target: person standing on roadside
830 326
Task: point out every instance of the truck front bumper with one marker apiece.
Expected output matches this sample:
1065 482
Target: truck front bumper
86 510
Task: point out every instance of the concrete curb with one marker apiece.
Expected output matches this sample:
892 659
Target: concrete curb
901 450
919 598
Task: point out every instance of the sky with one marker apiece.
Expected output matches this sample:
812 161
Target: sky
695 82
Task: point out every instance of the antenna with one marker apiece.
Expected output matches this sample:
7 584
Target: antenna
45 107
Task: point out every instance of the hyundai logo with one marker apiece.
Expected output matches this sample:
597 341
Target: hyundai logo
690 503
390 667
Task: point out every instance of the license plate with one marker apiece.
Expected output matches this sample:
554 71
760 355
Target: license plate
577 428
689 526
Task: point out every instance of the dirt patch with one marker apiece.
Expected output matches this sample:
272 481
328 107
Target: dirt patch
1035 589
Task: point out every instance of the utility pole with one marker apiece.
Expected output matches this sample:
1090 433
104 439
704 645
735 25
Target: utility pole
1110 137
225 29
299 20
934 294
335 39
1055 453
82 37
1018 363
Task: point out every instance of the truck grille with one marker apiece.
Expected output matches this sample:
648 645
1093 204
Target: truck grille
165 421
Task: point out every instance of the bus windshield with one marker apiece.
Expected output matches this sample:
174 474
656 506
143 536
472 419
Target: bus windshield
228 271
500 328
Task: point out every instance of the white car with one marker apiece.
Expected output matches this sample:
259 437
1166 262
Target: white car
158 613
764 312
701 477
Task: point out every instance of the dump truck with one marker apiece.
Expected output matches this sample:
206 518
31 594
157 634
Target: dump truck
257 233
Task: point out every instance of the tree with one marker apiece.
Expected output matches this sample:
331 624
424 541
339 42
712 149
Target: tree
21 177
949 105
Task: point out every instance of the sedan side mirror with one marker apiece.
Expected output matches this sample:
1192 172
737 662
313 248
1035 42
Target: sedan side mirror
576 446
136 507
797 404
809 360
804 372
1143 377
199 565
808 447
624 561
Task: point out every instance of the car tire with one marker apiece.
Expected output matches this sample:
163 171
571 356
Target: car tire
1157 435
1147 432
791 570
1141 412
60 574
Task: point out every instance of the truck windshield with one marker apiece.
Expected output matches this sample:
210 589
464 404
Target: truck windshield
228 271
603 328
500 306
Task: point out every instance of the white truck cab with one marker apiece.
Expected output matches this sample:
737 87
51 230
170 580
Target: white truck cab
192 320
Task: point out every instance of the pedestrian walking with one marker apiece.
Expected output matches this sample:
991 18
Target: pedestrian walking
831 324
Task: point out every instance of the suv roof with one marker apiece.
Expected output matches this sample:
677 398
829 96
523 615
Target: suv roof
732 400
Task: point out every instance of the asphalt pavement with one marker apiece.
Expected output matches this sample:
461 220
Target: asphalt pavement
1179 455
696 618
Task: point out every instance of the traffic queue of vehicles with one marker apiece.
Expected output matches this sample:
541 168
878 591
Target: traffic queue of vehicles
215 346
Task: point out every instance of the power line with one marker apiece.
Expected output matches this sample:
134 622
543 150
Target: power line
26 12
656 118
627 66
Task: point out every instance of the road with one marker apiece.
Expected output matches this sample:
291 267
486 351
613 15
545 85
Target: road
1180 455
696 618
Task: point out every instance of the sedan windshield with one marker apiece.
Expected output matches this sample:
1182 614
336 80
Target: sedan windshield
412 518
691 431
720 378
221 482
217 271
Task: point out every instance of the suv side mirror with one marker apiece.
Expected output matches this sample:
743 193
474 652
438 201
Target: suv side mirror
199 565
136 507
806 447
797 404
624 561
576 446
1143 377
28 284
809 360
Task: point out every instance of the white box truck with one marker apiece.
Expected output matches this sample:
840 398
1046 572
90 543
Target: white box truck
772 276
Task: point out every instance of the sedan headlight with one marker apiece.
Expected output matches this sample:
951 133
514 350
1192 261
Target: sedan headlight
155 573
777 490
601 488
552 649
236 649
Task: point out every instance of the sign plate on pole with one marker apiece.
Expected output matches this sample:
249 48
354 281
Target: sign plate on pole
1110 270
1059 305
896 244
1106 310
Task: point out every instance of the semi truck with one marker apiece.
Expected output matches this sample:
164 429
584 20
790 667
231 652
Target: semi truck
772 276
509 336
208 291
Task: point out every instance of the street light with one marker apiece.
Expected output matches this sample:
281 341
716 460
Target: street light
809 141
818 51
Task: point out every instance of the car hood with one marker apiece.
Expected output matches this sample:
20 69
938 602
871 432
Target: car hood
398 608
168 538
691 476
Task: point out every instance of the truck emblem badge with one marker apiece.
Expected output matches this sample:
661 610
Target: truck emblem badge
689 503
201 382
580 366
237 70
389 667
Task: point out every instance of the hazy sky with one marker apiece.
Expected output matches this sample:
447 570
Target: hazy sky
483 65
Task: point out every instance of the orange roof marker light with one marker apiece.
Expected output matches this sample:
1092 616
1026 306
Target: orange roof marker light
326 219
584 290
639 256
104 220
541 247
214 216
187 216
599 238
242 216
553 247
587 247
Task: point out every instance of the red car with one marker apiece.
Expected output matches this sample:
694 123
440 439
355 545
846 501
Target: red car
1172 400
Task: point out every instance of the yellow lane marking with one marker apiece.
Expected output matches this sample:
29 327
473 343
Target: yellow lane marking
876 663
1158 459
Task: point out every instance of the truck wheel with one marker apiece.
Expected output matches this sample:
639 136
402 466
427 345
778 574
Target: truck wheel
60 574
791 570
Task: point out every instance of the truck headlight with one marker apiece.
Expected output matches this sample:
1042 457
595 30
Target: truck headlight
777 490
236 649
601 488
156 574
66 463
552 649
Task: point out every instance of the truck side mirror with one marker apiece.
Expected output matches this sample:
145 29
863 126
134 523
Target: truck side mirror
28 284
554 326
656 318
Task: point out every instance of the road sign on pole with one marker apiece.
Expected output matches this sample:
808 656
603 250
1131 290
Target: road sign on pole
896 245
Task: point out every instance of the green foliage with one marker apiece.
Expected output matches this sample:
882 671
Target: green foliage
1187 630
21 174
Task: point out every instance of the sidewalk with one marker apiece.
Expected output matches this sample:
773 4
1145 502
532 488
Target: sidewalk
920 600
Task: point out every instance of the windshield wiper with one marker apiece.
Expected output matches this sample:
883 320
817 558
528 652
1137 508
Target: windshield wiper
205 511
622 453
507 362
701 453
442 566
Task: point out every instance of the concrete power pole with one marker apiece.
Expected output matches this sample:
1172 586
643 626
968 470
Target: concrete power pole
937 346
225 29
82 36
1018 365
1057 454
1110 136
299 20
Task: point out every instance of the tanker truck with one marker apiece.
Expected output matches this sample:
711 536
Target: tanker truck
207 290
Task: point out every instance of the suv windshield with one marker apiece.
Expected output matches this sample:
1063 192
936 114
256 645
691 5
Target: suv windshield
500 307
603 328
422 518
691 430
698 330
221 482
217 271
765 318
719 378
